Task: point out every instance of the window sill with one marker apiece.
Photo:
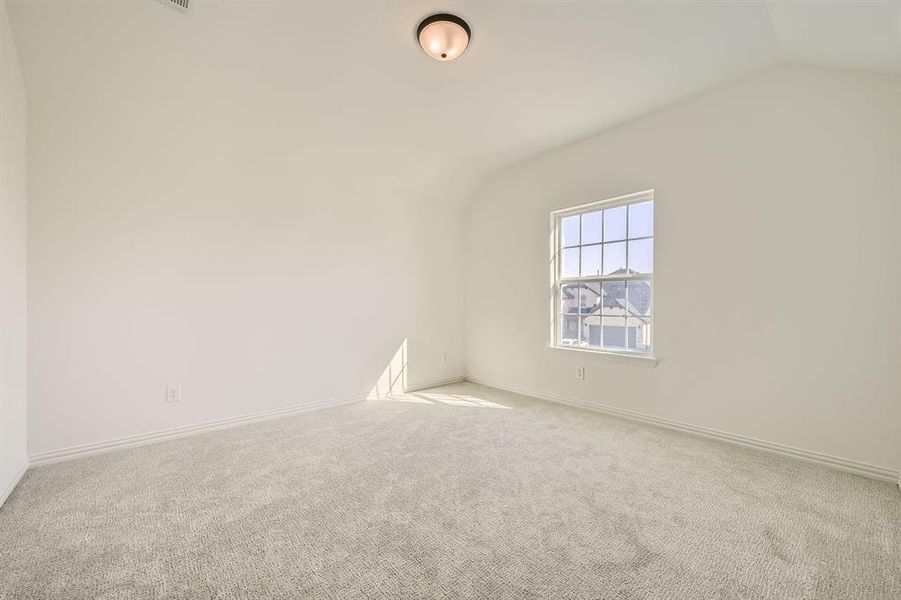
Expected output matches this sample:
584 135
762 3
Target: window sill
621 357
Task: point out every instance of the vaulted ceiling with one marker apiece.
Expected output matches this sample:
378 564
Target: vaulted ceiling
345 82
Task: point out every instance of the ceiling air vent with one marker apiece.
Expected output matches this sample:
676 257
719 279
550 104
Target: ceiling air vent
182 4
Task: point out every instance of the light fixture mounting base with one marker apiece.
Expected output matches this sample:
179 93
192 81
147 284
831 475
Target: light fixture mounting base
444 17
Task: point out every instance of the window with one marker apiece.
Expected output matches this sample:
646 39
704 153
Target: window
604 275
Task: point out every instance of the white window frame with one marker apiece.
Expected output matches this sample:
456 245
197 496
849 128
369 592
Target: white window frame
557 281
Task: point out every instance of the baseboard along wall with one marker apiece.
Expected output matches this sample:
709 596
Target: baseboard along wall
848 465
834 462
431 384
141 439
12 485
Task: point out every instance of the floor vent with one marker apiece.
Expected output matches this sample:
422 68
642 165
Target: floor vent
182 4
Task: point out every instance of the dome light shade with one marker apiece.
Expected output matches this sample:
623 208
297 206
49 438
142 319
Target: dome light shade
443 37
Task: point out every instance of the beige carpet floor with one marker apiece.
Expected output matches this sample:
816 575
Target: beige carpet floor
460 492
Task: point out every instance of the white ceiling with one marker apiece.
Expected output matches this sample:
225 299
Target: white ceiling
864 34
346 81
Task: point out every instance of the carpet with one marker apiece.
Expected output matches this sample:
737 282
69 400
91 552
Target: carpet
458 492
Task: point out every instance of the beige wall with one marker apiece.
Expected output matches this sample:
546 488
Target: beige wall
220 247
202 222
779 194
13 227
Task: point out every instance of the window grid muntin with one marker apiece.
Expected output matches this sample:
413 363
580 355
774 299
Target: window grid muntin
631 239
561 281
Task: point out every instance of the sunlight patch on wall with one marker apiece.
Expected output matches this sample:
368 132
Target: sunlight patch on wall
393 379
392 385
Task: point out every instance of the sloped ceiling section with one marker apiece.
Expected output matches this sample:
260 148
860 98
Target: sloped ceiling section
346 82
862 34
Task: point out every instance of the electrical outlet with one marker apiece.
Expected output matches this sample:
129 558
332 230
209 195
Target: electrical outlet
580 373
173 393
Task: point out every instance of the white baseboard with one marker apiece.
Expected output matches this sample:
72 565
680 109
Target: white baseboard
141 439
851 466
431 384
12 485
834 462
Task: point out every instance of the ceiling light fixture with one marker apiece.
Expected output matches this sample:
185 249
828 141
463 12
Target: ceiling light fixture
443 37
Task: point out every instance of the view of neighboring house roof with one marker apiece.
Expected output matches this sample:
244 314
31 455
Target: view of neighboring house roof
636 301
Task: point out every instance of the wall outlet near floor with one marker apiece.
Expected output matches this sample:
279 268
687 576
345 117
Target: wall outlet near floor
173 392
580 373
